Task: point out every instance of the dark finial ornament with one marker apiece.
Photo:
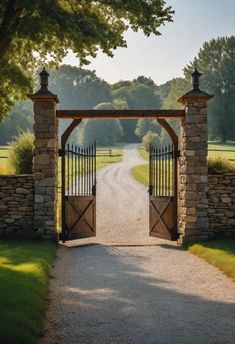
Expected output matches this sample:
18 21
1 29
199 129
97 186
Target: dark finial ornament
44 79
195 79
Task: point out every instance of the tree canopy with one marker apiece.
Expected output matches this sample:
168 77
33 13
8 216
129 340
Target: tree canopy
31 31
104 132
216 60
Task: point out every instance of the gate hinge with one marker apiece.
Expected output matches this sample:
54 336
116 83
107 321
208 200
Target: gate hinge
61 152
150 190
94 190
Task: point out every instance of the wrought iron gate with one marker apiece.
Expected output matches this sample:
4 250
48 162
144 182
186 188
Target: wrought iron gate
163 192
78 192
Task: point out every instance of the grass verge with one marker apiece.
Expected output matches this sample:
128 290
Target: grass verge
141 174
143 153
24 272
220 253
4 160
101 161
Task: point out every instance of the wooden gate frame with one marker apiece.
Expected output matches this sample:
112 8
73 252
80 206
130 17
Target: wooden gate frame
159 115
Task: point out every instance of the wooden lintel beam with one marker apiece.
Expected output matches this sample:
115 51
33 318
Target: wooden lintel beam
122 114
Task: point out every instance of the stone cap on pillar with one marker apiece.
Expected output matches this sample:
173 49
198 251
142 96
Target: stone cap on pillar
195 94
43 94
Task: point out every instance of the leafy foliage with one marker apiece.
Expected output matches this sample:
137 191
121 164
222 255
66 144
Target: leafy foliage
21 156
78 88
33 31
104 132
139 93
151 138
145 125
177 87
20 118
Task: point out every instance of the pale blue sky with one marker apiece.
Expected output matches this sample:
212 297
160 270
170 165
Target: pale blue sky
163 57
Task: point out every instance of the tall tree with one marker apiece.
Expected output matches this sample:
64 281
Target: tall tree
33 30
19 119
139 93
104 132
216 60
79 88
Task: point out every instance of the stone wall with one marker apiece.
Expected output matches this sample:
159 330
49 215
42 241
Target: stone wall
16 205
221 204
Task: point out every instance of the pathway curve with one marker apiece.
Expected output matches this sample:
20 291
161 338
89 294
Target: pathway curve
156 294
122 202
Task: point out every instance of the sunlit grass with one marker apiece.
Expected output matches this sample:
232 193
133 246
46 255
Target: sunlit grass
224 151
143 153
24 273
220 253
141 174
4 161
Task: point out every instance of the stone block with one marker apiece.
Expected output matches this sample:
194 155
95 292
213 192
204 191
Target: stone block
39 198
22 191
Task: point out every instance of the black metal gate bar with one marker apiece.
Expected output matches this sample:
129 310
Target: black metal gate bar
162 172
80 172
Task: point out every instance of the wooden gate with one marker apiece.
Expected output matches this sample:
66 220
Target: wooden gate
163 192
78 192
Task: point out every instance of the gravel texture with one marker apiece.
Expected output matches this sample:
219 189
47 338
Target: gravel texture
156 293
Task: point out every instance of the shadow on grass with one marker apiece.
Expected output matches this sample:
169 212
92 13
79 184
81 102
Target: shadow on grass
24 272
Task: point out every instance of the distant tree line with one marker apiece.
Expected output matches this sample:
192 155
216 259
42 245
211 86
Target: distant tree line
82 89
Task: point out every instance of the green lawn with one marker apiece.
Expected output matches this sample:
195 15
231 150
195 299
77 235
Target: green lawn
224 151
141 173
24 272
143 152
4 165
220 253
101 161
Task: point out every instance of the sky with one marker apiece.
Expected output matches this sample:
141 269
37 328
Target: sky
163 57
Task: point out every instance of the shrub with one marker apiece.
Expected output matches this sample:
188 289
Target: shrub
151 138
21 155
220 166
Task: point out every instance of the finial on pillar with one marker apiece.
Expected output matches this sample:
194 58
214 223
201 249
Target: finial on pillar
43 93
195 93
195 79
44 79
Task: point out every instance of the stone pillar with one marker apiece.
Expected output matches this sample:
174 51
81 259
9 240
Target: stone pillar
193 166
45 159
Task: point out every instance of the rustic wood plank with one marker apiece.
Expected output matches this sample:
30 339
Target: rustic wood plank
122 114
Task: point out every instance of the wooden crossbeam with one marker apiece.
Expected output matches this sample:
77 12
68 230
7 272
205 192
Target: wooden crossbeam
122 114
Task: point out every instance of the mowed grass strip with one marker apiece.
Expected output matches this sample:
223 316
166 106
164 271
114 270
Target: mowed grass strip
24 272
141 173
101 161
143 153
224 151
220 253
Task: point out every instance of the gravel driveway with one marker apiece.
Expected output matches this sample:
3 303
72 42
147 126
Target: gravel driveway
113 293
